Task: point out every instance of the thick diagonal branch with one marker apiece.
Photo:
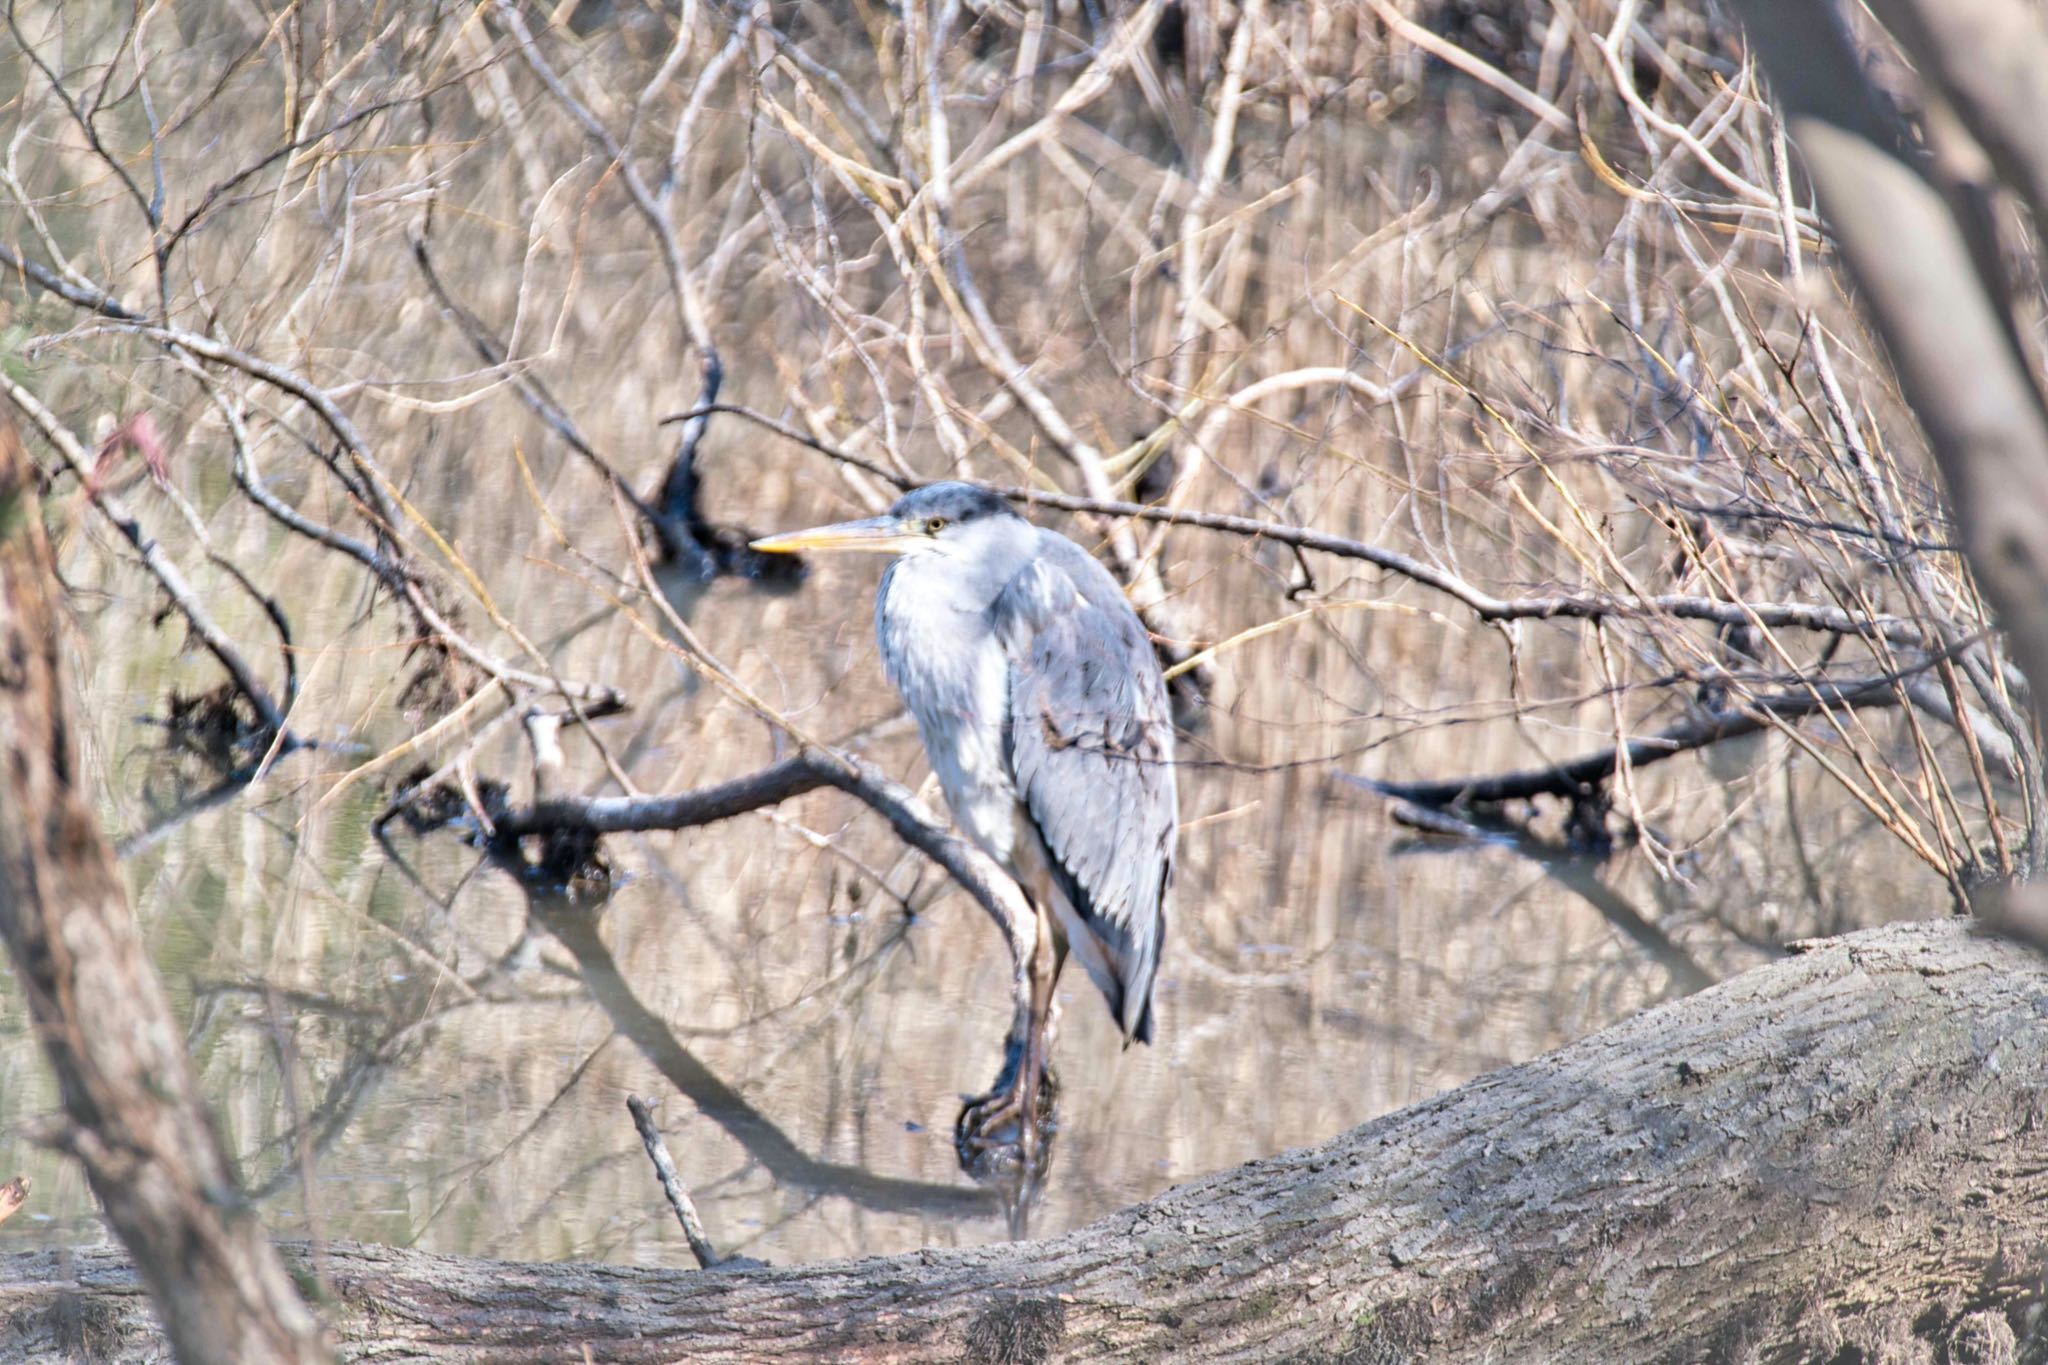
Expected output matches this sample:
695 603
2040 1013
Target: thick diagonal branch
1557 606
992 888
136 1119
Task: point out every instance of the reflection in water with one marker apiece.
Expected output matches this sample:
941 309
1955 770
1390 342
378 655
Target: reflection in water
566 878
575 928
176 813
1575 869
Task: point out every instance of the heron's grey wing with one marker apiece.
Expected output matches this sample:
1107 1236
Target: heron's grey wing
1090 746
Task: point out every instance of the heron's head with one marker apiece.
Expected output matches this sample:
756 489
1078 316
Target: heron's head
948 519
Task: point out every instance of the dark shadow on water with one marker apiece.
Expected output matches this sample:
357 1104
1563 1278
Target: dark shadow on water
383 1036
573 924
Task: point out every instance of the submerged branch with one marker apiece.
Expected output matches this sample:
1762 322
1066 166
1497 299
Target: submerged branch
1577 777
672 1187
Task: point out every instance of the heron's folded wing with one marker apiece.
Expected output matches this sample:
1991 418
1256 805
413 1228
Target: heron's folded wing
1090 746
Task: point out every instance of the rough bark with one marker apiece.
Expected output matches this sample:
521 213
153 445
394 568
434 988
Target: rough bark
1833 1157
135 1117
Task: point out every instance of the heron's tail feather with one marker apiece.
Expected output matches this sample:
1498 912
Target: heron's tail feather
1143 1032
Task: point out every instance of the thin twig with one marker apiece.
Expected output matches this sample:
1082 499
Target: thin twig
672 1183
167 574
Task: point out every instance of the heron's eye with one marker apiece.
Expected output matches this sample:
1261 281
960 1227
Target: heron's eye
934 526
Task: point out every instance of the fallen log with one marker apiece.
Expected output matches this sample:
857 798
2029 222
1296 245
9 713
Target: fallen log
1836 1156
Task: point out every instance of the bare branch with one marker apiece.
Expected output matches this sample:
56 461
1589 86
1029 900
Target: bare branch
1581 775
167 574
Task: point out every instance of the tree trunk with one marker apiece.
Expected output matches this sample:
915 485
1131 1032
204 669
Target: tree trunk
1837 1156
136 1119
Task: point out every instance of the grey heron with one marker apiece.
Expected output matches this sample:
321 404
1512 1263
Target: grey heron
1046 719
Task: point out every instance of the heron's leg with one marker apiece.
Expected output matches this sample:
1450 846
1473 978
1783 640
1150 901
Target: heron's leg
1043 973
1016 1112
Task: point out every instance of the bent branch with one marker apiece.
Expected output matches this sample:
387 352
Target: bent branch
1486 606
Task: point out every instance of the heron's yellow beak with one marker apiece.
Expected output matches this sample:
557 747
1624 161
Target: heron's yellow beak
885 535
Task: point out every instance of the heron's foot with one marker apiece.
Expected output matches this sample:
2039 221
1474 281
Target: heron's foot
1025 1085
1004 1138
994 1119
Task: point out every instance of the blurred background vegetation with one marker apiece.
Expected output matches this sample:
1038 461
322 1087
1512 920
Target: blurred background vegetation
366 320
